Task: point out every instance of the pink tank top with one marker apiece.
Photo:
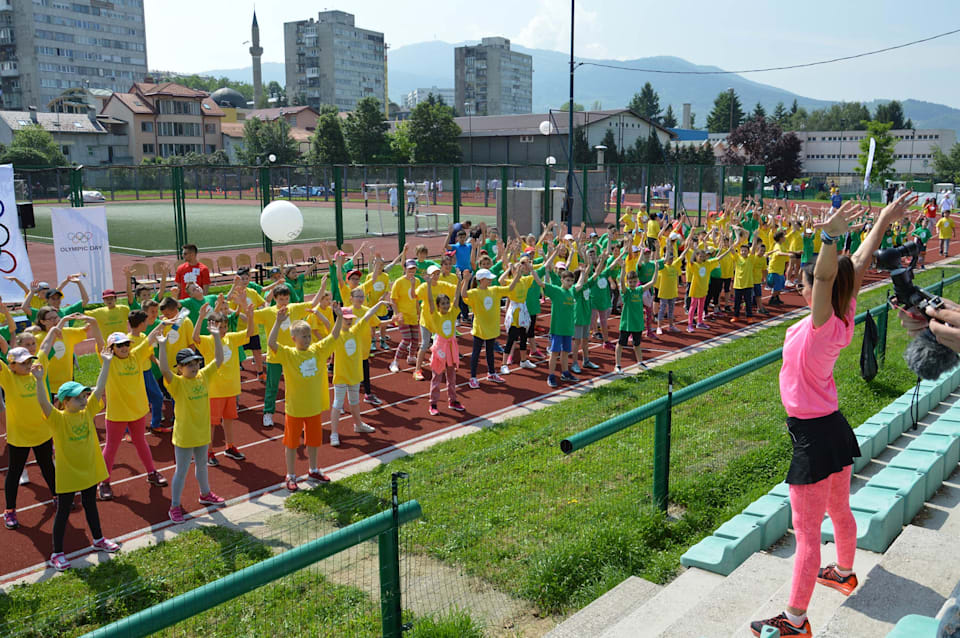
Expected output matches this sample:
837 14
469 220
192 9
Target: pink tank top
807 388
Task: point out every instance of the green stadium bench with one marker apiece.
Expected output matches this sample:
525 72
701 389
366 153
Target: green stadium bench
773 517
730 545
944 427
879 432
909 484
930 463
905 402
866 452
897 417
947 446
770 632
914 626
781 490
879 516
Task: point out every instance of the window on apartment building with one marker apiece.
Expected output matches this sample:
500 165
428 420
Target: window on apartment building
210 129
211 148
148 148
146 127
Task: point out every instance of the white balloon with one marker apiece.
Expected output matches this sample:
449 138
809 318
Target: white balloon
281 221
546 128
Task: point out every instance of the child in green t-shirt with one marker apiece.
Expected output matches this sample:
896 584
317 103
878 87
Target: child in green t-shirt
923 235
562 310
632 315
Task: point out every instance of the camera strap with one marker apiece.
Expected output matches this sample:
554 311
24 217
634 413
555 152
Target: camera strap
915 405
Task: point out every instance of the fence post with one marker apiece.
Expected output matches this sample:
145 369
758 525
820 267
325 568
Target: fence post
881 350
76 187
699 192
646 169
264 200
619 190
503 203
390 612
677 189
546 196
338 204
723 186
661 450
456 194
584 208
401 210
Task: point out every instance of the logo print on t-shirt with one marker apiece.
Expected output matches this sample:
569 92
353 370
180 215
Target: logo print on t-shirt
447 328
285 325
80 431
602 283
59 349
586 293
173 336
488 302
350 346
703 271
227 353
308 367
378 286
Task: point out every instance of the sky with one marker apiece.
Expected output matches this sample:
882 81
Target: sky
190 36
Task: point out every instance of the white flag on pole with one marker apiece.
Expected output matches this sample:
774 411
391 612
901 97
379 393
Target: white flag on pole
866 173
13 250
81 245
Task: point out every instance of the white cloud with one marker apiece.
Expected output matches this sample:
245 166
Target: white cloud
549 28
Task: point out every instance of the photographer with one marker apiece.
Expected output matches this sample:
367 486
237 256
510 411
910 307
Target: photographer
823 442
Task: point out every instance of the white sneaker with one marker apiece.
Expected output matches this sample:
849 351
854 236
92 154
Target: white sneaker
394 367
504 369
527 364
659 331
334 439
618 370
267 420
24 479
363 428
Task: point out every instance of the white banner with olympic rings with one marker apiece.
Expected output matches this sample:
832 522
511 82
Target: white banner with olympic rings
81 245
13 251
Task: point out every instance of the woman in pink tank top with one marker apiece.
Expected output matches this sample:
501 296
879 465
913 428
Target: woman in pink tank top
823 441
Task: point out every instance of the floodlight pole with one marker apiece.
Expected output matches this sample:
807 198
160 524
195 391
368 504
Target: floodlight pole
570 133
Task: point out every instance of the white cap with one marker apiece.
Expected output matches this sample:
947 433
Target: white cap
675 236
432 269
562 265
19 355
483 273
568 236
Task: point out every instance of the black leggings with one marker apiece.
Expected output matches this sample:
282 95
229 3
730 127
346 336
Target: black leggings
478 344
713 292
366 376
64 501
516 333
742 296
532 330
43 454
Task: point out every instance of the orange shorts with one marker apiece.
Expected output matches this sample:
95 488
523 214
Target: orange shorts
222 408
311 426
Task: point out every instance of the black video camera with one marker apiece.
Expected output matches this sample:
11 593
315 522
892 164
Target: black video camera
907 293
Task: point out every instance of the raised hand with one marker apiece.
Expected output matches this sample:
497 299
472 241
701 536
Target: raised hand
106 354
282 314
37 371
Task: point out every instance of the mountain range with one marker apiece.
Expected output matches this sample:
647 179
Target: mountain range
428 64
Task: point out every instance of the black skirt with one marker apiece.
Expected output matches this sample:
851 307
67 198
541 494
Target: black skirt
821 447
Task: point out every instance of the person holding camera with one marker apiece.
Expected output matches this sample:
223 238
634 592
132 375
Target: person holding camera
823 442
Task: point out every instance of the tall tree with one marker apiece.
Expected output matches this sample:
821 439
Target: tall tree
576 106
33 146
908 124
401 144
277 93
759 111
794 107
727 110
653 150
844 116
596 106
366 133
646 103
761 141
327 145
780 114
883 156
669 119
612 155
946 166
891 112
434 134
581 148
261 139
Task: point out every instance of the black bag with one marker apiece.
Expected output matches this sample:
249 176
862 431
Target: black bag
868 354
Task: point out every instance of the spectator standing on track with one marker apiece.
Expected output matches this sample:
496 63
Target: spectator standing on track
945 232
305 375
411 200
191 427
192 271
79 464
922 235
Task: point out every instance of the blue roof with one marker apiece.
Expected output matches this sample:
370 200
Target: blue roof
689 134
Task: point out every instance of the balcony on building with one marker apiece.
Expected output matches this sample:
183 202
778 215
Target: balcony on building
9 69
6 5
313 72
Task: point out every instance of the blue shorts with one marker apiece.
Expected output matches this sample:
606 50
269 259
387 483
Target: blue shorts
776 281
561 343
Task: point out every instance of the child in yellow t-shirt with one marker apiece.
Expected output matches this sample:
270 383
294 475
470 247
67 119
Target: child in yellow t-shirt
405 314
348 352
305 376
484 300
79 463
945 232
377 287
445 355
190 390
357 299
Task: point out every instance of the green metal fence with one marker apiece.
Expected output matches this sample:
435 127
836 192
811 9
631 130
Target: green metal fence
662 409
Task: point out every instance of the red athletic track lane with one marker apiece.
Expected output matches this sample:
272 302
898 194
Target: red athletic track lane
402 417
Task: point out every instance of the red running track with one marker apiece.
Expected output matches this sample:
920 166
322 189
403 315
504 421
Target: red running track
403 417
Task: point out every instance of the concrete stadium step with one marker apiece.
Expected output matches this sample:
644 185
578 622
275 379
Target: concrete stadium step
669 605
607 610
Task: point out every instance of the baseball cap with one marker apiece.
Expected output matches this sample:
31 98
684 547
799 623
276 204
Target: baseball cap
243 271
19 355
275 270
71 389
561 265
432 269
347 313
116 338
355 272
410 263
483 273
52 292
592 235
568 236
42 285
187 355
108 293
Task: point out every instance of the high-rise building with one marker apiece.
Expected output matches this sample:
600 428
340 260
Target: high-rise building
416 96
490 79
331 61
47 46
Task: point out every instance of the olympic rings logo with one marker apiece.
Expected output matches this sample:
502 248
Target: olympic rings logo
80 238
8 261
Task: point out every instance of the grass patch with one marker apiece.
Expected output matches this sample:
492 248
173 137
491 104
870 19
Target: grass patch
506 505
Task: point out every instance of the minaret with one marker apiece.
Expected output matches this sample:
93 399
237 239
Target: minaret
255 52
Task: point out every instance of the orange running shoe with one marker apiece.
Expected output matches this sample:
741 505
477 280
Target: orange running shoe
831 578
781 623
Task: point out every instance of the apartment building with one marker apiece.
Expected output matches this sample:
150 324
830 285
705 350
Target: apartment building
331 61
490 79
47 46
167 119
416 96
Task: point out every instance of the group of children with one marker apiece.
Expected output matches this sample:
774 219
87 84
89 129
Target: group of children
190 350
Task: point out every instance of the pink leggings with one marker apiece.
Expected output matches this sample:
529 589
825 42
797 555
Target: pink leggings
809 502
696 311
115 430
451 378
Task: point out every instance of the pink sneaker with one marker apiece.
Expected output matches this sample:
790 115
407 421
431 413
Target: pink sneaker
211 499
456 405
473 383
433 410
176 514
703 326
496 378
609 345
59 562
106 545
